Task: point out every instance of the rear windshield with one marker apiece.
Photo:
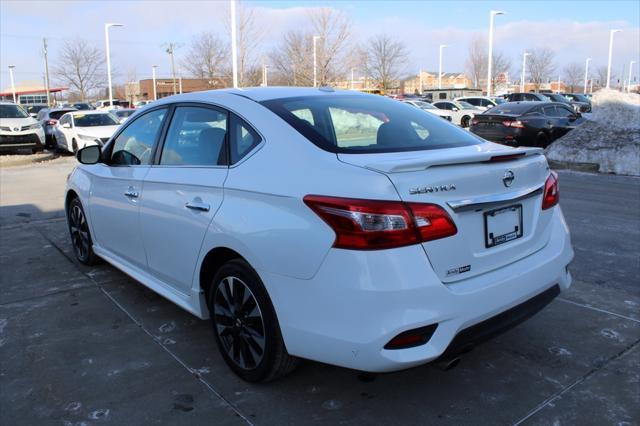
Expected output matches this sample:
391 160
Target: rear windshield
367 124
94 120
57 114
510 108
12 111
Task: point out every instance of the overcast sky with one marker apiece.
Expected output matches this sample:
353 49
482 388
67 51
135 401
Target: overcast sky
575 30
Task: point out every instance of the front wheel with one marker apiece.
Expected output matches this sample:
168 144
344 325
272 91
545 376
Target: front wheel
464 122
245 324
542 140
80 235
74 146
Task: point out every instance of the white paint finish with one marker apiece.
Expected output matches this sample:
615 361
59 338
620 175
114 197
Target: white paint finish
171 232
114 216
335 306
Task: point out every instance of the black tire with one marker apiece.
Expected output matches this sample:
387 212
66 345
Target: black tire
80 235
74 146
542 140
242 322
464 122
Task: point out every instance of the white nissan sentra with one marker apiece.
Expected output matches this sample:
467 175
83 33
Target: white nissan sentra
340 227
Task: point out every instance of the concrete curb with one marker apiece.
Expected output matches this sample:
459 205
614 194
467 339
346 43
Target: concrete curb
579 167
23 160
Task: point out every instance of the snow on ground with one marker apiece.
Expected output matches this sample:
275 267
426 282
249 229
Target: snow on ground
610 138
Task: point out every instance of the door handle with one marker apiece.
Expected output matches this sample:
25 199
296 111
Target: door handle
198 205
131 192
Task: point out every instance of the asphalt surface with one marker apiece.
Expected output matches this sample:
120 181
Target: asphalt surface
82 346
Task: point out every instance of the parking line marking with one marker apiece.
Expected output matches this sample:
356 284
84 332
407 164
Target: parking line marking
597 309
591 372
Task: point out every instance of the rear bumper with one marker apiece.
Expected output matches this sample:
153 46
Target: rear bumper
358 301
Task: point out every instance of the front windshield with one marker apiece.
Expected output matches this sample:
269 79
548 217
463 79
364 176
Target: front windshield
367 124
124 112
94 120
465 105
12 111
499 101
424 105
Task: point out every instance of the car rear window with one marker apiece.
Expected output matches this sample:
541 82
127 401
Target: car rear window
510 108
367 124
55 115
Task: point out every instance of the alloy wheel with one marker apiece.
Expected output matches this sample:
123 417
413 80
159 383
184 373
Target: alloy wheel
79 232
239 323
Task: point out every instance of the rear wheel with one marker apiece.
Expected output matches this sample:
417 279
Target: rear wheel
464 122
80 235
245 324
542 140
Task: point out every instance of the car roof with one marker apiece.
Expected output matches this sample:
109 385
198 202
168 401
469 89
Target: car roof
91 112
259 94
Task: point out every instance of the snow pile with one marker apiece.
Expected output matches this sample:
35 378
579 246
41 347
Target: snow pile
610 138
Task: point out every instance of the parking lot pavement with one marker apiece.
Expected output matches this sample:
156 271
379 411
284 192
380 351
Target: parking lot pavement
90 344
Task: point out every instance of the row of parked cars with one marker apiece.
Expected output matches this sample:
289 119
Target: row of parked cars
518 119
66 128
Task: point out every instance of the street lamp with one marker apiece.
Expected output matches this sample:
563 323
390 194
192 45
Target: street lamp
490 59
153 73
586 74
630 69
106 41
315 62
352 84
234 49
13 86
524 68
442 46
611 33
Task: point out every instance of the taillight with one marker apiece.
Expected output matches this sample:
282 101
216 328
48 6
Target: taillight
51 122
551 192
516 123
373 224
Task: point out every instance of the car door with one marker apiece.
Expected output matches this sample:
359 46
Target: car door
183 190
117 188
565 121
63 133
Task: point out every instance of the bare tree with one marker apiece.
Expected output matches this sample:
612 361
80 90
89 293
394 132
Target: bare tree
385 59
477 63
294 55
573 75
80 66
540 66
207 57
477 60
601 76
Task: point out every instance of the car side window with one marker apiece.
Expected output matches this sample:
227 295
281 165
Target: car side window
133 146
473 101
196 137
65 119
563 112
549 111
243 139
486 103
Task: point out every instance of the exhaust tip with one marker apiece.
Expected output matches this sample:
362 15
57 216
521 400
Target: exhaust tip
448 364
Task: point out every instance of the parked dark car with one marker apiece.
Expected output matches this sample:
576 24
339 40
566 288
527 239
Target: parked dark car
526 123
581 99
49 117
529 96
33 110
82 106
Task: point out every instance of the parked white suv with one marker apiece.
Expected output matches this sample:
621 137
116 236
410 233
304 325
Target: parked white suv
345 228
18 130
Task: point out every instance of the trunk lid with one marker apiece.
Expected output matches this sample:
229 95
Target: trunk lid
468 182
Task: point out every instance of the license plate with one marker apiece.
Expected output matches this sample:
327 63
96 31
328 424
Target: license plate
502 225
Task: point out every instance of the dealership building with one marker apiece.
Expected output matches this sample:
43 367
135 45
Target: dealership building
30 93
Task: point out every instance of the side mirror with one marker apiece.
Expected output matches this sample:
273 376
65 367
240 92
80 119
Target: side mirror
89 154
67 125
454 109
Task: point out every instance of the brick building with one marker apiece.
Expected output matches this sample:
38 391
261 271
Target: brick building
428 80
165 86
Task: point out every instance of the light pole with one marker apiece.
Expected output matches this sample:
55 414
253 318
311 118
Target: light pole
173 66
13 86
265 70
492 15
442 46
106 42
315 62
155 91
630 69
611 33
558 83
352 83
586 74
46 71
524 68
420 80
234 49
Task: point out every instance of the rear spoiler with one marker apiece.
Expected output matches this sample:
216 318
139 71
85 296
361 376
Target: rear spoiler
447 157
